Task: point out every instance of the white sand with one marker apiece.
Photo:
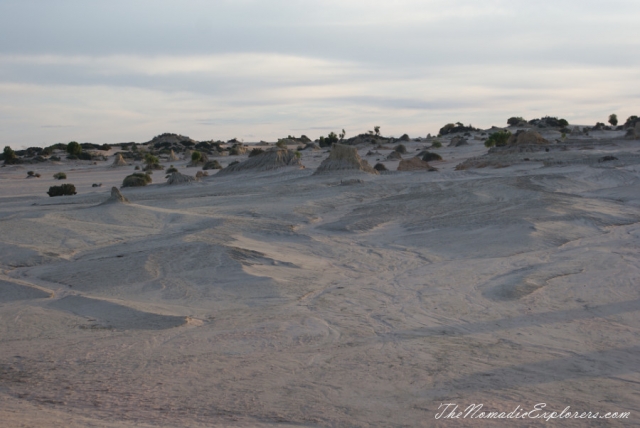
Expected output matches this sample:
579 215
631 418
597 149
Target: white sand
283 298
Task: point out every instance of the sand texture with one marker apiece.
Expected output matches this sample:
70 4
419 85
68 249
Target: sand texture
281 297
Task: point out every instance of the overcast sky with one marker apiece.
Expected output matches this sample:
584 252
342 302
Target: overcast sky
114 71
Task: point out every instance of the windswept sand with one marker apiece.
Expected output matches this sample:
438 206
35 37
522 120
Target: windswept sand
283 298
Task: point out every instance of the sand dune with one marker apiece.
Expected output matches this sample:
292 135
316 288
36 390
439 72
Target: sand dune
114 315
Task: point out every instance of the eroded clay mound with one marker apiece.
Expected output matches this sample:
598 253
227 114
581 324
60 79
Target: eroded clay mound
271 159
415 164
344 158
178 178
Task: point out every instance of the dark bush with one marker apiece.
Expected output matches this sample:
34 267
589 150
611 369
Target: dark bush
514 121
172 169
549 122
196 156
631 122
404 137
137 179
428 157
329 140
60 176
452 128
10 157
65 189
214 164
436 144
380 167
613 119
400 148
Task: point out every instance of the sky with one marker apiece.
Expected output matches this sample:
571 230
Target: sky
118 71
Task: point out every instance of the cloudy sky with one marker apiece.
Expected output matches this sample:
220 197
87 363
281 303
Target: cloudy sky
114 71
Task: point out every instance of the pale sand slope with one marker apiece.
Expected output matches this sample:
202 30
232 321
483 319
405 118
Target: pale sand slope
283 298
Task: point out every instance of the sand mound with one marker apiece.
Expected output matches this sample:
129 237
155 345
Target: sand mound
11 292
344 158
172 156
522 138
118 161
178 178
415 164
116 197
113 315
271 159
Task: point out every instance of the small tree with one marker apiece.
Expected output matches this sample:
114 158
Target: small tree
376 129
613 119
9 156
196 156
74 149
342 134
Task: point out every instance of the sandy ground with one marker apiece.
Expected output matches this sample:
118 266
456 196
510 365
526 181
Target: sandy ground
288 299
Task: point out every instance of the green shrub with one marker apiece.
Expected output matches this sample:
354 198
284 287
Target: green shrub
563 122
613 119
196 156
380 167
65 189
436 144
74 149
137 179
60 176
172 169
281 144
428 157
497 139
298 154
400 148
